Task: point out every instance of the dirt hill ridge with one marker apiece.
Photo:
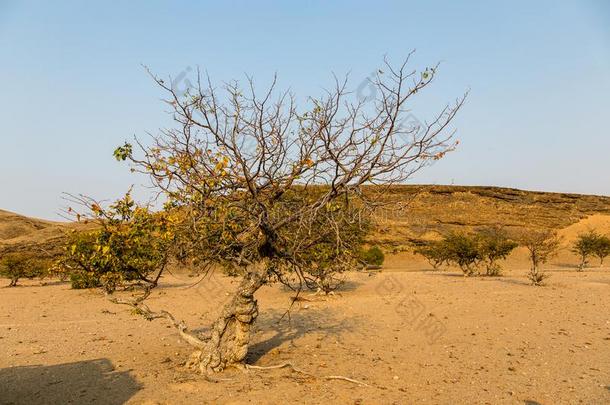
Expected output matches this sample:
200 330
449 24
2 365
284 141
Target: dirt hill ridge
421 212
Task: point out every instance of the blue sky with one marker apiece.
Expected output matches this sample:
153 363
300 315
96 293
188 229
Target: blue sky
73 86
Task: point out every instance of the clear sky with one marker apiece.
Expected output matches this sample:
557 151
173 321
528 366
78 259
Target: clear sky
73 87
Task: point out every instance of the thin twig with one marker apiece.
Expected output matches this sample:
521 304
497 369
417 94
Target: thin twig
297 370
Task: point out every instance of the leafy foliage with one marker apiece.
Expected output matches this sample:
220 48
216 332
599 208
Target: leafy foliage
590 244
131 244
123 152
15 266
435 253
469 251
585 246
602 248
463 250
372 256
332 248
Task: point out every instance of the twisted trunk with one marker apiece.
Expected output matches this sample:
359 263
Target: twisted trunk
230 335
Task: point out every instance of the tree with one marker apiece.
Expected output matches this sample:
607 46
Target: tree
602 248
435 252
542 246
469 250
494 245
463 250
585 246
267 191
18 265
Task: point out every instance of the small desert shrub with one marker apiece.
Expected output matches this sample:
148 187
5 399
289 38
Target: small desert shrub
536 276
585 246
131 244
327 281
435 253
591 244
602 248
494 245
15 266
372 256
463 250
469 251
542 246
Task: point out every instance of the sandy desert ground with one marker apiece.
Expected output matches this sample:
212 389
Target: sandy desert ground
411 334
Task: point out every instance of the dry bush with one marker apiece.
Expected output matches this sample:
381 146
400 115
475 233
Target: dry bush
463 250
458 248
470 251
585 247
602 248
494 245
18 265
542 246
435 253
372 257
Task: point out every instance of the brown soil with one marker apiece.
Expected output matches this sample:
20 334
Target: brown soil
413 336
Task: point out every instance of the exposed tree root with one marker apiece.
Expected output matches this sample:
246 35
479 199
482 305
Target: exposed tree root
298 370
203 344
227 345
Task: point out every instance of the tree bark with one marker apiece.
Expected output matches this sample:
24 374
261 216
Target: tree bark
230 335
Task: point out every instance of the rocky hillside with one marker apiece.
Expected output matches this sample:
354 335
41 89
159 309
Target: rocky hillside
425 212
415 214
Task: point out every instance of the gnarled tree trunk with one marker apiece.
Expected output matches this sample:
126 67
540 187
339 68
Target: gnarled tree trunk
230 335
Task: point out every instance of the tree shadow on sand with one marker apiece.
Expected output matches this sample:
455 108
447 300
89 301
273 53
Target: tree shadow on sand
343 286
84 382
501 278
24 283
442 273
319 322
514 281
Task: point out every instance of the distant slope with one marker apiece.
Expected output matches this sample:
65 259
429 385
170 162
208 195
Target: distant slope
15 225
18 232
429 211
420 213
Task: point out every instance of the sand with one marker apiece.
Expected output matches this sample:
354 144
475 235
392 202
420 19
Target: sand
412 335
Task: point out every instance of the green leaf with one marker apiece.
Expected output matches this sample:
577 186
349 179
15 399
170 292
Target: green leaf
123 152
